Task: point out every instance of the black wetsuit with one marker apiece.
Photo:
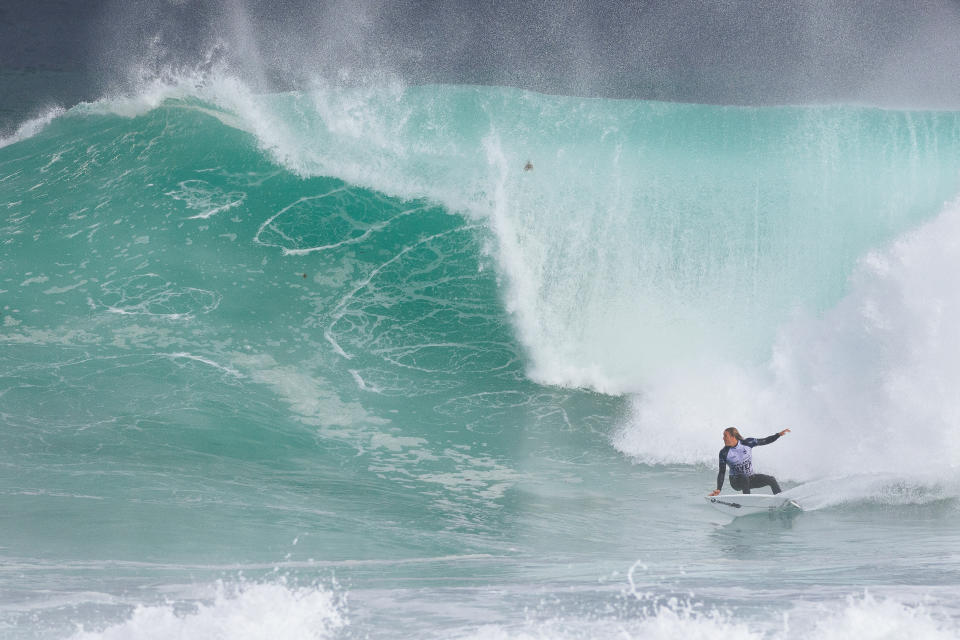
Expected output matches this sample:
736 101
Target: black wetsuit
740 457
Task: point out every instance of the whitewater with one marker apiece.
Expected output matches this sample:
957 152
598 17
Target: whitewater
451 361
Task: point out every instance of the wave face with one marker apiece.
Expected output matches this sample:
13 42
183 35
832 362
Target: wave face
647 234
347 329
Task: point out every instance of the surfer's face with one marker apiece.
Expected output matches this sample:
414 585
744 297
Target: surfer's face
729 440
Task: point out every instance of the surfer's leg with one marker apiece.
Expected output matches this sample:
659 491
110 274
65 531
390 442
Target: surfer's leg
758 480
740 483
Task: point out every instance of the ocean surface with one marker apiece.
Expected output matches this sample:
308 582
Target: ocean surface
333 364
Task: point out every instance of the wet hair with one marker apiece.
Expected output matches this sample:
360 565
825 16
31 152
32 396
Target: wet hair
733 432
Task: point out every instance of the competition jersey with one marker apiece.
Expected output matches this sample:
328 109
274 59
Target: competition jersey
740 457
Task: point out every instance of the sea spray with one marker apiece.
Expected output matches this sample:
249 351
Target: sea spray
237 611
867 386
32 126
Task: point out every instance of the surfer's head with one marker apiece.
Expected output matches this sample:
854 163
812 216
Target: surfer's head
731 436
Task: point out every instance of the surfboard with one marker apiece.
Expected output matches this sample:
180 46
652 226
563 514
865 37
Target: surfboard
743 504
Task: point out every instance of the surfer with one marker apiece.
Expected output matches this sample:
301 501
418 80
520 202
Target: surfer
738 452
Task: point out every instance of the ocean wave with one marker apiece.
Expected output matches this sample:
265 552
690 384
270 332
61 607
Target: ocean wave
660 250
645 235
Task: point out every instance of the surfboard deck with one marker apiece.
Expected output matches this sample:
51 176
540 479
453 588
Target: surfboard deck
742 504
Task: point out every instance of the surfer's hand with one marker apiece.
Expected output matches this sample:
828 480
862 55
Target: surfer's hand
785 431
715 493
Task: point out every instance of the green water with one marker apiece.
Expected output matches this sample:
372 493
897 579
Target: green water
341 341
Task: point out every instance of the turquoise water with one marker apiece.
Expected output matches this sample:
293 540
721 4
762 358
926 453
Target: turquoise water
333 364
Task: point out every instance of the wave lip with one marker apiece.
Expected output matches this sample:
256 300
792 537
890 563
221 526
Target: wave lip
32 127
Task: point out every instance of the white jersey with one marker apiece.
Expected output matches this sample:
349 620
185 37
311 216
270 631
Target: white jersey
740 457
740 460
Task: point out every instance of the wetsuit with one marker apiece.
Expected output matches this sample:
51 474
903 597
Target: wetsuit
740 459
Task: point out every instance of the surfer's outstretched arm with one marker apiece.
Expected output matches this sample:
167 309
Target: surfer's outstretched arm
756 442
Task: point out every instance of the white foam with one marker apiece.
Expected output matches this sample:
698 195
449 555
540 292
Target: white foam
869 387
235 612
149 294
667 625
862 617
209 200
870 618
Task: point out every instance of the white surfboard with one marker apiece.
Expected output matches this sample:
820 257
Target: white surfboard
743 504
